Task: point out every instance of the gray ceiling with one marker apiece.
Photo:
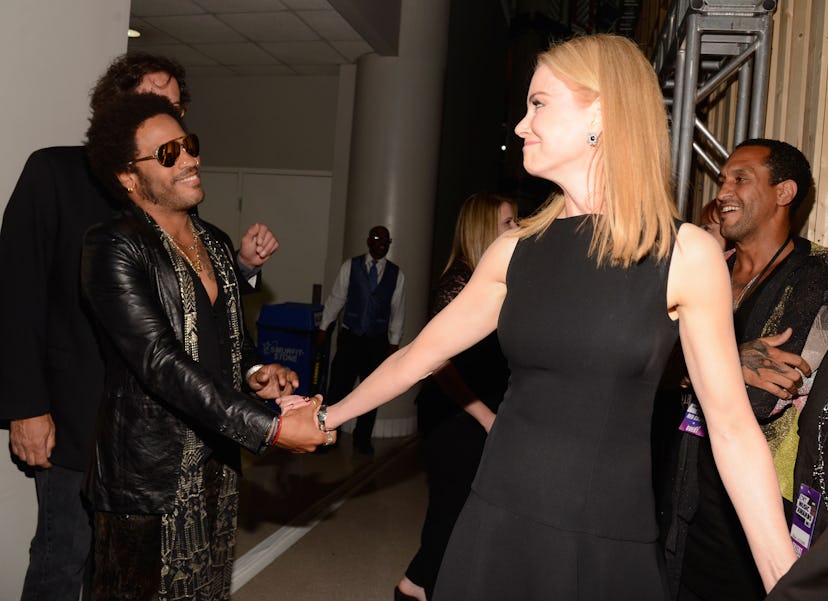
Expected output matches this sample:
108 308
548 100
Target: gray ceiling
247 37
309 37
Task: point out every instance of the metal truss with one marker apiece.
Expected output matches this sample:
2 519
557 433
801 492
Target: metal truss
706 45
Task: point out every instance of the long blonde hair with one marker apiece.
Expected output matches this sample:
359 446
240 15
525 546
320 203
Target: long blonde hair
632 160
477 227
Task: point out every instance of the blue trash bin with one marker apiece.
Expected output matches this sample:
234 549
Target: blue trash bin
286 336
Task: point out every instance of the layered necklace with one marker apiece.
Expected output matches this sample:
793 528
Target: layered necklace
748 289
183 249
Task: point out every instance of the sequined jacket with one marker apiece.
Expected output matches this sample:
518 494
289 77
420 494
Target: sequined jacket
154 391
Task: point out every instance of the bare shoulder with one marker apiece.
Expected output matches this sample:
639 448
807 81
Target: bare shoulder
698 263
695 248
495 260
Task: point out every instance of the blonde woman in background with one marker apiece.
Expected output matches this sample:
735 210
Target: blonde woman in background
457 405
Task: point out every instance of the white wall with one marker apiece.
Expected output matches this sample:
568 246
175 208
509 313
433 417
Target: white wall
295 205
265 122
53 51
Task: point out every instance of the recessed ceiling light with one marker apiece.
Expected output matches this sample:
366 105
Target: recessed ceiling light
133 33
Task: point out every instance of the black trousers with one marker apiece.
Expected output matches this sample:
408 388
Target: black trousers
59 565
127 557
356 357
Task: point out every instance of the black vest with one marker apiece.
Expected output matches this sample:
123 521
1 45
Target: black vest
367 312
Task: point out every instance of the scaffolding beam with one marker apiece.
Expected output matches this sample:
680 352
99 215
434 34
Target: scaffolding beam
704 45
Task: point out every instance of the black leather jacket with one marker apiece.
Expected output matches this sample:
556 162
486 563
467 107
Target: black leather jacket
154 390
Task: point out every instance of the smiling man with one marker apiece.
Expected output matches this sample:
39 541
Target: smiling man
179 367
51 371
779 281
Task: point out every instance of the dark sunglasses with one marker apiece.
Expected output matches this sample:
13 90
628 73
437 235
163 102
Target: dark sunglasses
167 153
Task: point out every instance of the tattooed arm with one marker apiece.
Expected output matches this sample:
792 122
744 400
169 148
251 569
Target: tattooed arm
771 369
773 339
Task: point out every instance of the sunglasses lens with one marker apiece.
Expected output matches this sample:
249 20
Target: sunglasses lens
168 153
191 145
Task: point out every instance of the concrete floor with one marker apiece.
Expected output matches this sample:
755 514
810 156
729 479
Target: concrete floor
332 526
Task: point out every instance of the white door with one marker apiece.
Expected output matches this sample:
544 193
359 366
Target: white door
295 206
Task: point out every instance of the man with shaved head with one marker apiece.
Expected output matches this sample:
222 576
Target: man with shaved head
779 281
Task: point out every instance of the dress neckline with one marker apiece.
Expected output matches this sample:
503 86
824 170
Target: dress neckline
581 216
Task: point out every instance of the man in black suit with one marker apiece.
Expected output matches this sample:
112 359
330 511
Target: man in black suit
51 372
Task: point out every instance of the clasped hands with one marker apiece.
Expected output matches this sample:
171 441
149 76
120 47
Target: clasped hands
300 430
302 427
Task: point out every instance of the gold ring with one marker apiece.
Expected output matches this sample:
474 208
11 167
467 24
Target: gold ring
313 401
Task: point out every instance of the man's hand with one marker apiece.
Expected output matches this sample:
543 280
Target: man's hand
273 381
257 244
768 368
299 431
33 439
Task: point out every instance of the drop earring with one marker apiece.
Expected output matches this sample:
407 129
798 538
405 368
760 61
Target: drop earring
592 139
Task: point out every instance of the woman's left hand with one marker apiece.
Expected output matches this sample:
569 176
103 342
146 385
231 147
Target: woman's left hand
291 402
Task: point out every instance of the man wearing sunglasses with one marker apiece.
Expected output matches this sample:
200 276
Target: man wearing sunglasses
162 286
51 373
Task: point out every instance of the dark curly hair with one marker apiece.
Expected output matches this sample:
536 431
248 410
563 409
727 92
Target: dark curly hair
110 139
786 162
126 72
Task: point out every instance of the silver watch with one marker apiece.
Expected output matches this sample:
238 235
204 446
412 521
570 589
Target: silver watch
321 415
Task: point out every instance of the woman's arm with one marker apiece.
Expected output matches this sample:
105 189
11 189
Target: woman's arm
699 291
470 317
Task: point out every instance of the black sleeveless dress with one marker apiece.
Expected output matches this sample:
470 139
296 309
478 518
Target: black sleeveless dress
562 505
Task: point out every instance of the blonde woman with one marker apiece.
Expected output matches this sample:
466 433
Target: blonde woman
456 407
587 299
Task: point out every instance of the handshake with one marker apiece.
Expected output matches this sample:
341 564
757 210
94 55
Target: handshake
301 426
